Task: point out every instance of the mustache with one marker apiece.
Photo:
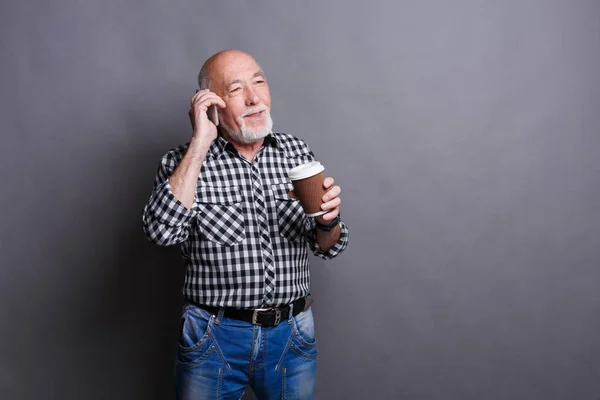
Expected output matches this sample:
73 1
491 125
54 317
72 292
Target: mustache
254 110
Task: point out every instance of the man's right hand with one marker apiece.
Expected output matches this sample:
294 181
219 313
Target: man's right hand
203 129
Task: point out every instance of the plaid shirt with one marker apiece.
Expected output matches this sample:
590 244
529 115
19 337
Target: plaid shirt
244 241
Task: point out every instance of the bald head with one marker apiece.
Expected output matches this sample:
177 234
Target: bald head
213 68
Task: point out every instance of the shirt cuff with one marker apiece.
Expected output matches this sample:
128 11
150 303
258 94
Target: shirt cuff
337 248
168 209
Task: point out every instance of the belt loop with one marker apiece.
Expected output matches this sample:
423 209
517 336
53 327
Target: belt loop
308 301
220 315
291 313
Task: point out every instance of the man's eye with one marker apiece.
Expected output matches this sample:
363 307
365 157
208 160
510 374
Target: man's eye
235 89
260 81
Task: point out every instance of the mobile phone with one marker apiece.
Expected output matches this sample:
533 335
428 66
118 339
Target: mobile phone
213 114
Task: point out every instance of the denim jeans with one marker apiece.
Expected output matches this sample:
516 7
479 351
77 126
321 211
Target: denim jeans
219 356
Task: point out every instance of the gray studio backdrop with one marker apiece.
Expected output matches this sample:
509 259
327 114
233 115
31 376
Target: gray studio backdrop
464 135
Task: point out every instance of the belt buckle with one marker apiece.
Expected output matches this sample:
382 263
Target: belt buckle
257 310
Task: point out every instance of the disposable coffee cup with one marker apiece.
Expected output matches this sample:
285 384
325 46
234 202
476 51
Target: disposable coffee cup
307 180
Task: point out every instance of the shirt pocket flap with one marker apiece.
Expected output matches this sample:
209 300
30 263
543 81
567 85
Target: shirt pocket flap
224 195
281 190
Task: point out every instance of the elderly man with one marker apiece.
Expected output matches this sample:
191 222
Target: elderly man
226 198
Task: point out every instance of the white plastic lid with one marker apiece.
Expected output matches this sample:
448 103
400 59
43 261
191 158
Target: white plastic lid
305 170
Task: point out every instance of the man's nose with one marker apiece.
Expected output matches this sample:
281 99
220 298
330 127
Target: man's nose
252 97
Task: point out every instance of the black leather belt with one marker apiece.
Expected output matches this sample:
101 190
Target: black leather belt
263 316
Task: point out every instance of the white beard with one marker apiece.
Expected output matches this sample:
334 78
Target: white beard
249 135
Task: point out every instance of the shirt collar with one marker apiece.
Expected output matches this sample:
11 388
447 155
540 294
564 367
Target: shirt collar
220 145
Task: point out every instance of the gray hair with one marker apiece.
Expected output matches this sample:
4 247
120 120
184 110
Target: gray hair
203 81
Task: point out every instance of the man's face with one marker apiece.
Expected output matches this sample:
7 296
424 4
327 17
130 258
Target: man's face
242 85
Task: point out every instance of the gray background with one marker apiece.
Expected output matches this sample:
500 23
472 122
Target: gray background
464 136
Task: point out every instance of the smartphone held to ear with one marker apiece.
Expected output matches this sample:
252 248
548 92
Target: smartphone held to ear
213 115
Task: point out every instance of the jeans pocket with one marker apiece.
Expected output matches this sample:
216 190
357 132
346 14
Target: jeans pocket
290 215
304 340
195 337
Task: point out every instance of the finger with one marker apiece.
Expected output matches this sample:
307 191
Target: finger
332 193
207 98
204 96
213 100
197 95
331 215
330 205
327 182
292 194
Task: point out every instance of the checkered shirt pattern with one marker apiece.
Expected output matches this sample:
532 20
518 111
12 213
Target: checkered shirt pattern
244 241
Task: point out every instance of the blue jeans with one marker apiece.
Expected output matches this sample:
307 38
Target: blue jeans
219 356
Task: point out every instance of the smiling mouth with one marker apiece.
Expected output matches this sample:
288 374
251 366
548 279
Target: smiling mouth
257 114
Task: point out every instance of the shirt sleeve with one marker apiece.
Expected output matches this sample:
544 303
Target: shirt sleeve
313 244
305 154
166 221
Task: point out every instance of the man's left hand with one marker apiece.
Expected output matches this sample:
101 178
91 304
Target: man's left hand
331 201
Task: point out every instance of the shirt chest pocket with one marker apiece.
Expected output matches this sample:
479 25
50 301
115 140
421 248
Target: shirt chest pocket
290 215
220 216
